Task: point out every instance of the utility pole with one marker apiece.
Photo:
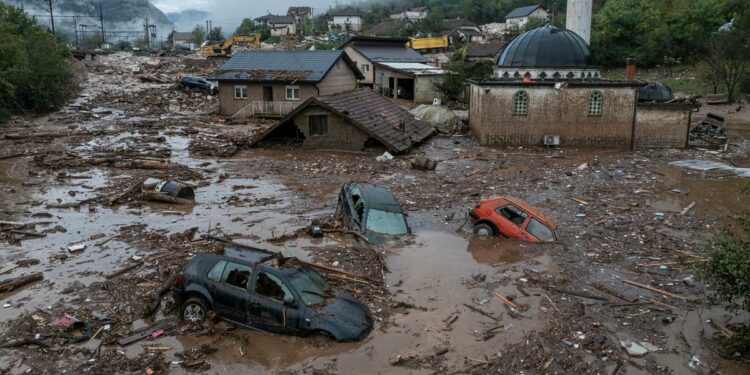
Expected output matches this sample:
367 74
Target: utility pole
145 28
101 20
75 29
51 16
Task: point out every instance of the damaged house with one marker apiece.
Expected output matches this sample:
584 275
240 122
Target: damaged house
546 91
350 121
272 83
393 69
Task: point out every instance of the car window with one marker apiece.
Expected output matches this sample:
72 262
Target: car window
386 222
539 230
360 208
271 287
514 214
236 275
312 288
217 270
356 194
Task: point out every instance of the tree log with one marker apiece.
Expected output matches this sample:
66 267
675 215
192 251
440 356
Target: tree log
12 284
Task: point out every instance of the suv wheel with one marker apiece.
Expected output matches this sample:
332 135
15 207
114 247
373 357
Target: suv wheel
483 229
194 310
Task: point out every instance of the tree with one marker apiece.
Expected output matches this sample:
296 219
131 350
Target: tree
35 75
729 59
215 34
460 70
247 27
199 34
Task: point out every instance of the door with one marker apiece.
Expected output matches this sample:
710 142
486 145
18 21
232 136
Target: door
266 308
267 99
511 220
231 293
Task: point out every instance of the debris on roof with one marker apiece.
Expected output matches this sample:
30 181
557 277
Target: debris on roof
305 66
375 115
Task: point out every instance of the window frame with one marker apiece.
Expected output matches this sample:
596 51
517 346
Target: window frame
322 130
243 89
597 95
516 103
292 88
226 268
365 68
284 287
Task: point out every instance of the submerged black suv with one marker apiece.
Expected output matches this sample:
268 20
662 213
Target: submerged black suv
251 291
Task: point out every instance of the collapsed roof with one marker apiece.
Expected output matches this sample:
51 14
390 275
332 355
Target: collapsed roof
373 114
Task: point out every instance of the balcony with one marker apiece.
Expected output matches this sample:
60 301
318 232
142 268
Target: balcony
265 109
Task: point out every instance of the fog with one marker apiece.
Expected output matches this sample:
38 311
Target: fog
229 13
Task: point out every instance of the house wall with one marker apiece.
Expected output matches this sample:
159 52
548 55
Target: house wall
424 89
341 134
228 105
360 59
661 126
354 23
520 22
556 112
341 78
283 29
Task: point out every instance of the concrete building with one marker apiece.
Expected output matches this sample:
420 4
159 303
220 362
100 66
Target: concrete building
366 51
546 90
302 15
279 25
413 14
273 83
578 18
353 120
346 20
410 81
519 17
183 40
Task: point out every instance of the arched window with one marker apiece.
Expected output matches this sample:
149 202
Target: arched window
520 103
596 99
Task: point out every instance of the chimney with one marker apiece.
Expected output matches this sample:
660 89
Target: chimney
630 69
578 18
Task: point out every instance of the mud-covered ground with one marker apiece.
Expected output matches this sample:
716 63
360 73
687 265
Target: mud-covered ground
66 179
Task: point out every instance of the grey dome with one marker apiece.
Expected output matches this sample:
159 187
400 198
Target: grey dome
655 91
546 46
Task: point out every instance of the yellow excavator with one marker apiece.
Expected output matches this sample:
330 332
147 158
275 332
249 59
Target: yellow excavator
219 50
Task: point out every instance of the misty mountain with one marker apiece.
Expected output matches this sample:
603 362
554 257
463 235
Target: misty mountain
187 19
122 18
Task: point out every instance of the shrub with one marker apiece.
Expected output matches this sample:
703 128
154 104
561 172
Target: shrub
35 75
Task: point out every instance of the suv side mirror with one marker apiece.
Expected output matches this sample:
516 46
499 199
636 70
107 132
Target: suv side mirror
288 300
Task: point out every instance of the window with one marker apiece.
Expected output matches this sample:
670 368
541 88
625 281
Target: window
386 222
539 230
520 103
236 275
217 270
240 92
318 125
312 287
513 214
596 99
292 93
365 68
271 287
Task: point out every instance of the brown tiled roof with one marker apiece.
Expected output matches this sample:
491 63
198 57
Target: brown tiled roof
489 49
374 114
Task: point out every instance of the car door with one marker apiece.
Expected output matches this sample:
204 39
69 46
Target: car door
511 220
231 293
266 309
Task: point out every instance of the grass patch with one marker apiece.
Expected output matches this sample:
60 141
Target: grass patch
682 79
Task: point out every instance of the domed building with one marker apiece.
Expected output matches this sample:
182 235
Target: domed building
547 91
655 92
547 52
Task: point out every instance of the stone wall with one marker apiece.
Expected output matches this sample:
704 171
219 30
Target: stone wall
562 112
341 134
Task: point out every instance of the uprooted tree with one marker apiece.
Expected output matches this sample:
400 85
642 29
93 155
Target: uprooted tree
35 74
453 84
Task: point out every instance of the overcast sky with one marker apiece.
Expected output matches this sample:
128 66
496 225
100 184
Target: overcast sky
233 10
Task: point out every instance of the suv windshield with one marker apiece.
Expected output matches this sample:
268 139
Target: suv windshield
311 286
386 222
539 230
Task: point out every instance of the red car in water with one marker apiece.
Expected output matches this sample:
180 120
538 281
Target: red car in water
513 218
